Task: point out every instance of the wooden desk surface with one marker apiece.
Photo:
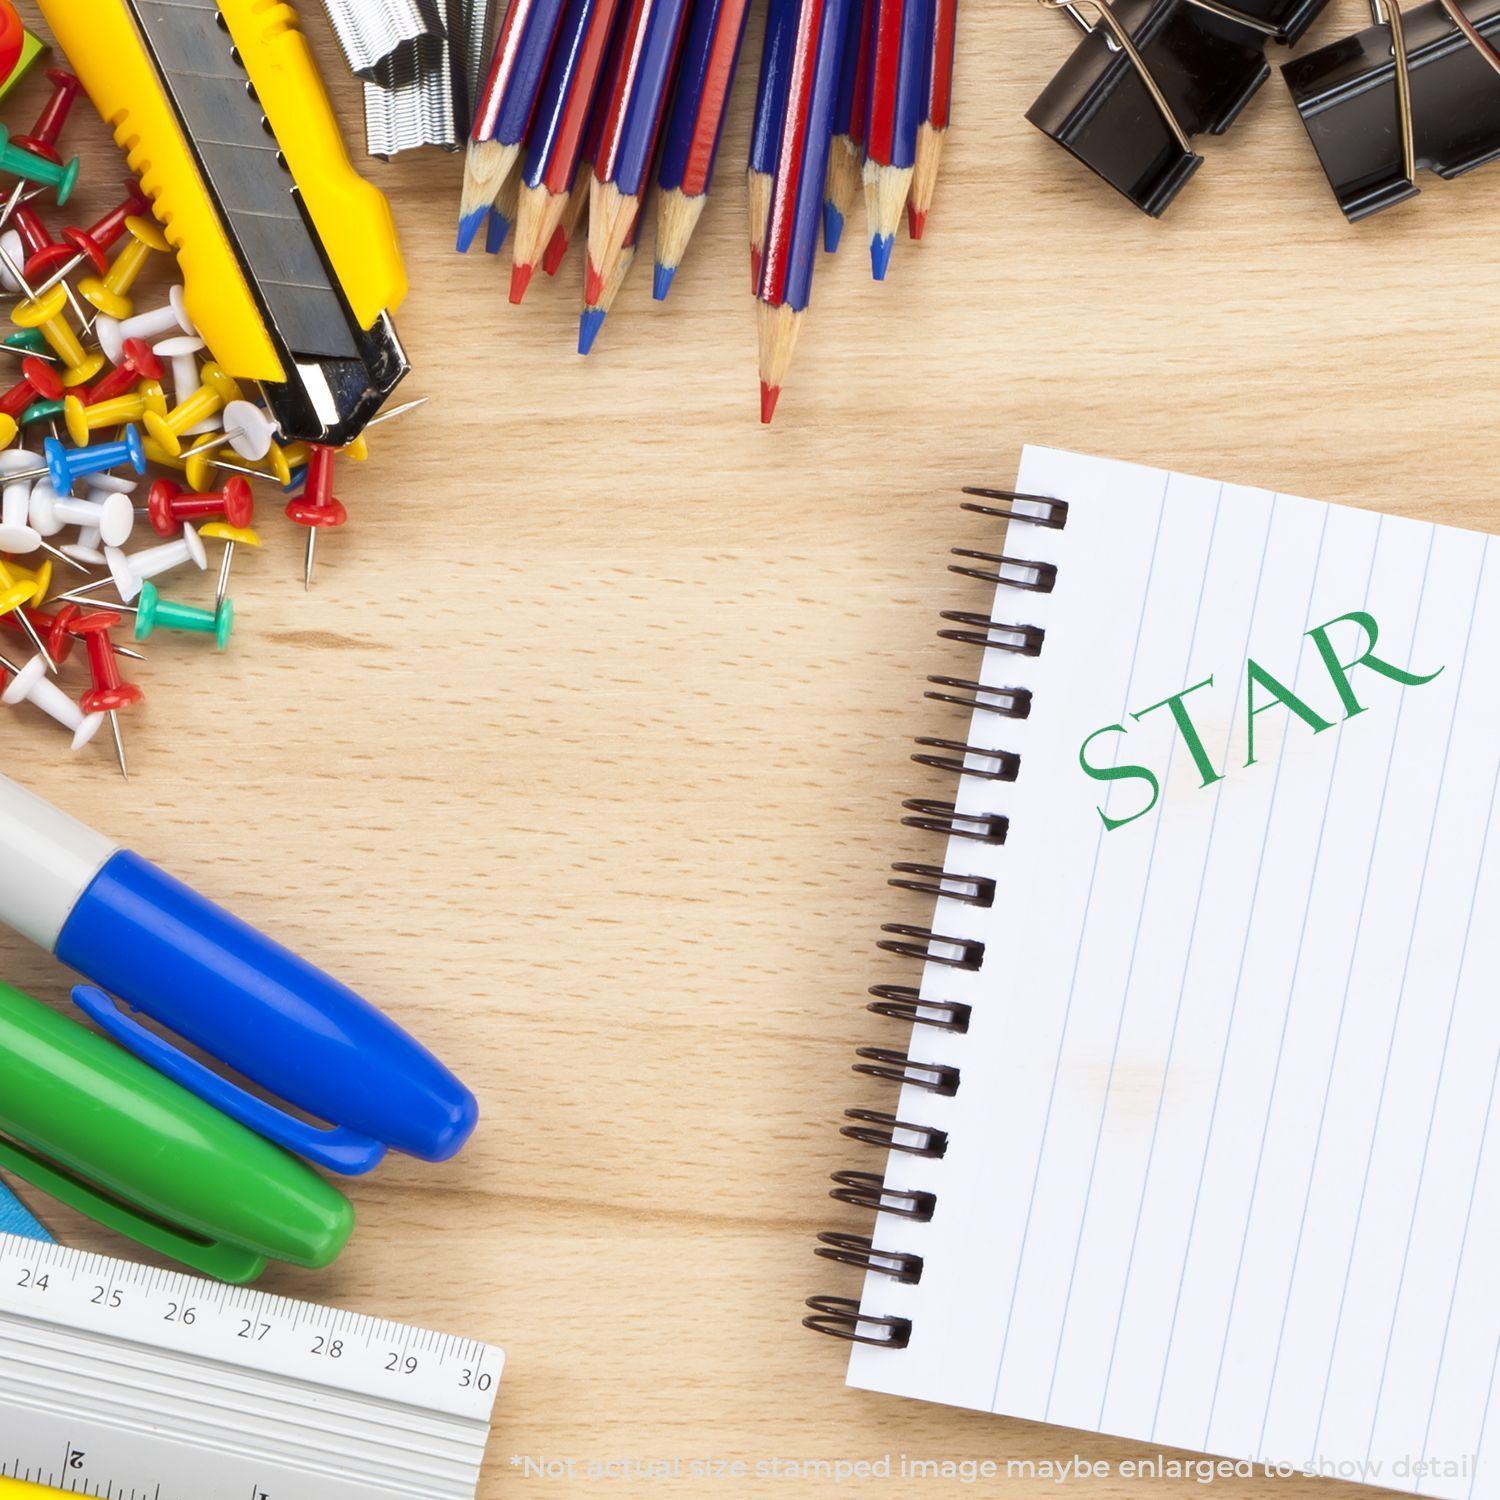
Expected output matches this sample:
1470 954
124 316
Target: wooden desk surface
583 756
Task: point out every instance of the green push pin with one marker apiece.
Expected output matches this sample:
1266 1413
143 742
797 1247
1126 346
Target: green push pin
153 613
29 341
41 411
33 168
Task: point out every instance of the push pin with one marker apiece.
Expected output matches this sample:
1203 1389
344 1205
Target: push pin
138 363
1128 109
46 313
171 317
38 382
17 533
129 573
195 465
54 628
37 242
15 594
30 684
1411 91
155 613
92 244
17 161
110 693
44 135
110 294
168 505
65 467
316 507
217 390
232 537
82 420
107 511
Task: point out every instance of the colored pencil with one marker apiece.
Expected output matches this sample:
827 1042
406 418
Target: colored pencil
577 206
937 100
636 93
898 65
502 215
690 145
851 116
797 196
591 319
770 111
503 110
558 127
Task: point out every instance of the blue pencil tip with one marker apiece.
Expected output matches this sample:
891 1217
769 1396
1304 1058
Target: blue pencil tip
590 321
468 227
880 254
495 231
661 283
833 228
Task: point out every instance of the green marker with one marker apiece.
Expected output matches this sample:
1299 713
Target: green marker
155 613
27 164
106 1134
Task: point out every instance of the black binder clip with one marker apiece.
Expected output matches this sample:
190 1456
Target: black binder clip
1419 90
1151 76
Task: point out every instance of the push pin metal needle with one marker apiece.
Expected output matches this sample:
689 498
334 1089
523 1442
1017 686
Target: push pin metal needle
109 693
232 537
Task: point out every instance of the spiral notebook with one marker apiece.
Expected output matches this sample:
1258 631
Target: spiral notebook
1196 1141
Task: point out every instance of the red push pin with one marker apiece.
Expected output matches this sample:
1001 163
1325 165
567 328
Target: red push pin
55 631
316 506
169 505
38 382
109 693
49 124
138 362
91 244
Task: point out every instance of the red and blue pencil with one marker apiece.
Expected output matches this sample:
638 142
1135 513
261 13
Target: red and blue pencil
932 134
583 179
770 111
591 319
695 123
851 116
502 113
797 196
636 95
559 125
899 67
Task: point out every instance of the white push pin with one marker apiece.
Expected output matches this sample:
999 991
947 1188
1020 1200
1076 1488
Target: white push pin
15 253
129 573
17 535
151 326
182 353
250 430
31 684
110 512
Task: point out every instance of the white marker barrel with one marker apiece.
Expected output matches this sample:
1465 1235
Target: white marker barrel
47 861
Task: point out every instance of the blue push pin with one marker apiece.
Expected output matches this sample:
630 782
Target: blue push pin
64 465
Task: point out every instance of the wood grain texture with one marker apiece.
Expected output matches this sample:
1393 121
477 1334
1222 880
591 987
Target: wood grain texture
583 756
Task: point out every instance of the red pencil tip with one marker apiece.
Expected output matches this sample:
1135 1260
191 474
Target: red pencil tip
593 285
915 221
769 396
557 248
520 279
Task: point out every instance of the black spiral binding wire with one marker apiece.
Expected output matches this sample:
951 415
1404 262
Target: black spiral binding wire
840 1317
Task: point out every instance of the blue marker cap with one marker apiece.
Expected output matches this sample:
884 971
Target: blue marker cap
216 982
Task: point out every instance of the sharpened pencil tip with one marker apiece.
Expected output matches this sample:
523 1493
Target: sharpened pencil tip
496 231
593 284
880 254
833 228
520 279
661 281
590 321
468 227
769 396
557 249
916 221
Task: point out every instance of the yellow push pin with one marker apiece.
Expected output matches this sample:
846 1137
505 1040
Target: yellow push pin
217 390
111 293
46 314
16 592
38 579
232 537
81 420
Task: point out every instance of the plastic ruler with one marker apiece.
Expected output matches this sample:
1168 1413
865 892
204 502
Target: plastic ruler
126 1382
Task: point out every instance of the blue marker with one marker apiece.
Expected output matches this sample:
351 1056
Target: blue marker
204 975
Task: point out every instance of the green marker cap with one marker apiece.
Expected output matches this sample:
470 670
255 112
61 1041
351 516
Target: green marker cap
104 1133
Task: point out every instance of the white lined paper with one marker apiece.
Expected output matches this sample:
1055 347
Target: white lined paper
1223 1168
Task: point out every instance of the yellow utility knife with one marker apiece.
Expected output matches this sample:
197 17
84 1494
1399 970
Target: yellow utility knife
290 262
